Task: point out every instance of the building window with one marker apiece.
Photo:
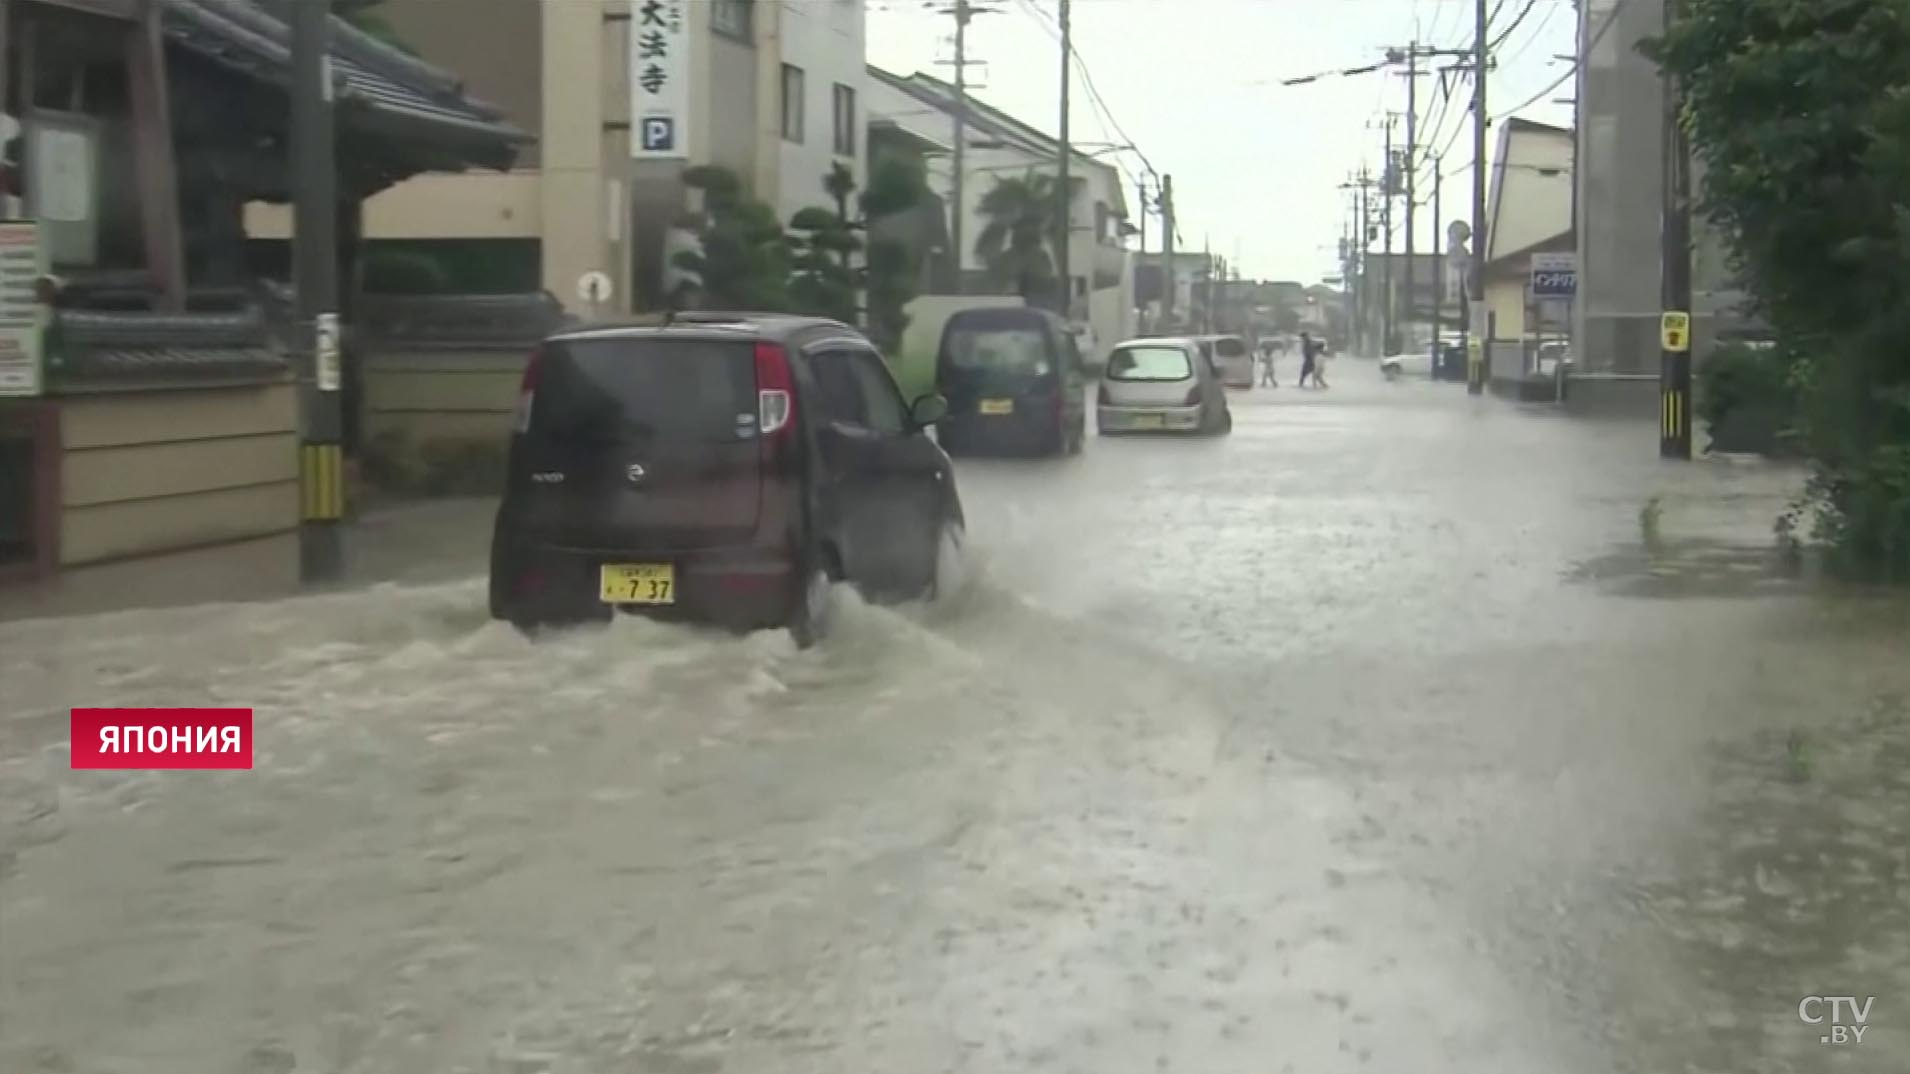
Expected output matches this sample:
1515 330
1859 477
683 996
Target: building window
845 121
732 17
792 103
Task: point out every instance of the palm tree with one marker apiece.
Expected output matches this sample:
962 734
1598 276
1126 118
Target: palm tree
1014 244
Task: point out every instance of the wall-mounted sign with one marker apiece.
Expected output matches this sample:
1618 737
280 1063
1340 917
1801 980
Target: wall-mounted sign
659 79
325 352
1554 275
22 316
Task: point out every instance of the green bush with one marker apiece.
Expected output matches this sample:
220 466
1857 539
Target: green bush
1749 399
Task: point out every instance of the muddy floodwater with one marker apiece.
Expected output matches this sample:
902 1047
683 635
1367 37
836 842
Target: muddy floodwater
1386 734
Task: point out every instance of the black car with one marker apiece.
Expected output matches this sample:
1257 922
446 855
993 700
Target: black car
1014 380
722 468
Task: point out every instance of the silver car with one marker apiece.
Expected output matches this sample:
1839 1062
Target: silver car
1161 385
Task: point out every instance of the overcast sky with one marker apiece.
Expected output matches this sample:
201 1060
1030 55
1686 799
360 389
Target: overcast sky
1257 166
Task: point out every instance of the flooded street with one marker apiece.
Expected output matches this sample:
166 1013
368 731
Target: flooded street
1399 731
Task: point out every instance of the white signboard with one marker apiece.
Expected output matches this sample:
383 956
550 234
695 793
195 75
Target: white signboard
595 287
22 317
659 79
325 350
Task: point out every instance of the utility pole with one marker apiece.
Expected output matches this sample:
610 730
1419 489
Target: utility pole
1476 286
1412 166
1388 180
1171 278
1365 247
963 12
1140 257
315 282
1674 359
1064 193
1439 269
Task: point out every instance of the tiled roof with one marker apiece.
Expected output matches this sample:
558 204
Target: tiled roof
253 38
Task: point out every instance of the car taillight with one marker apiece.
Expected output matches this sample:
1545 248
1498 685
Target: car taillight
775 389
1193 396
527 392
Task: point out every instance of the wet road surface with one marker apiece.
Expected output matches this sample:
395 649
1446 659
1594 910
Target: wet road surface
1375 737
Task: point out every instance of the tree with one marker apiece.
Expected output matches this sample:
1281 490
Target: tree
745 258
898 185
1014 243
1799 111
824 283
1287 319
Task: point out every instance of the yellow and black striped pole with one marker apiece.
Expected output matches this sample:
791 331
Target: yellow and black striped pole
1674 357
1674 386
314 175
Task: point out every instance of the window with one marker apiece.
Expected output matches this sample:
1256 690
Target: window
882 403
838 390
732 17
1149 363
845 102
792 103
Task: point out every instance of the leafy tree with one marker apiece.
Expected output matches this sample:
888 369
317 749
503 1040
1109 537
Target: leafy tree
825 281
1014 244
1799 111
745 258
1287 319
898 184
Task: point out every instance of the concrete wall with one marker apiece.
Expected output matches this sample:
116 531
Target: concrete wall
437 205
915 365
825 39
573 190
1620 177
157 471
451 395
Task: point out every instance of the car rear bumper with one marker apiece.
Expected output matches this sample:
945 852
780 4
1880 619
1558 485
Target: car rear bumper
745 588
1031 427
1126 419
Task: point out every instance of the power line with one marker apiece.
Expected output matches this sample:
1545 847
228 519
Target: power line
1104 115
1611 20
1506 34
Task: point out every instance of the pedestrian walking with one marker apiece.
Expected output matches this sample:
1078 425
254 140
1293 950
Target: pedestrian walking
1307 355
1319 367
1266 365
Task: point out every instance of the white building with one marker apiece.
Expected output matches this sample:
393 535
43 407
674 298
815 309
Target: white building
1000 146
772 90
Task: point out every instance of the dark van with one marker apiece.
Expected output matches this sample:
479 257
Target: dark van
722 468
1014 382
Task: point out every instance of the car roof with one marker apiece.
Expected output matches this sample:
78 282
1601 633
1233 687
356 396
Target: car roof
705 324
1004 313
1180 341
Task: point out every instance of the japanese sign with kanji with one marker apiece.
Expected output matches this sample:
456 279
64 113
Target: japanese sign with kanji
659 79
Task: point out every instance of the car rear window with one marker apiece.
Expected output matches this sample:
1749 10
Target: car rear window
1229 348
697 390
1149 363
998 350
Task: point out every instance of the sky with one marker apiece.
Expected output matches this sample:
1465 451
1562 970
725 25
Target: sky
1258 167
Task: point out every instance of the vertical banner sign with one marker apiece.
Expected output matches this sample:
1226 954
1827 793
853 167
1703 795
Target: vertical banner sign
22 317
659 80
325 352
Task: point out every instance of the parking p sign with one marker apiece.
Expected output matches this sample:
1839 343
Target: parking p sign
1554 275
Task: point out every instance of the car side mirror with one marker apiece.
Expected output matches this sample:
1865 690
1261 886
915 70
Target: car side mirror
928 409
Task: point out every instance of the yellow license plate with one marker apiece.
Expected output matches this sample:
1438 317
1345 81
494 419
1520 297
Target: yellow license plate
998 406
638 583
1149 421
